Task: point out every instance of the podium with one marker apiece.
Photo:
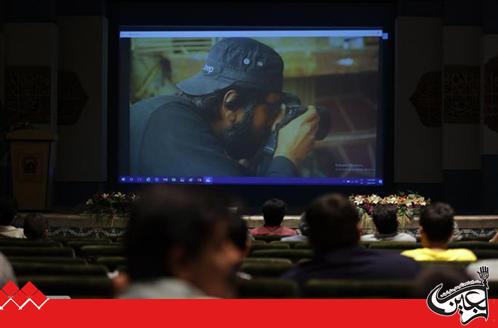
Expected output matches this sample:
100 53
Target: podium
32 154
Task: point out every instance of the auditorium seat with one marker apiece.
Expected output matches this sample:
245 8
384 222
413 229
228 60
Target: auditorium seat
94 251
486 253
393 245
324 288
269 246
279 242
267 288
268 238
15 242
77 244
292 254
265 269
301 245
73 286
64 240
47 259
37 251
58 269
473 245
484 238
292 244
111 262
266 260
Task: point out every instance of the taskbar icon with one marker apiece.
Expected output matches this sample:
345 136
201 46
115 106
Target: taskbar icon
195 180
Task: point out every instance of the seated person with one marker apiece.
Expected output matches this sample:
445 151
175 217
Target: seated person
495 238
8 211
35 227
334 234
6 272
386 222
436 229
303 228
178 245
273 214
242 239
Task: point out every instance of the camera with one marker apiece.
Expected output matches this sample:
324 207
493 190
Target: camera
293 109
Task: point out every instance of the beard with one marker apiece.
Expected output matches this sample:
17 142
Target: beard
241 141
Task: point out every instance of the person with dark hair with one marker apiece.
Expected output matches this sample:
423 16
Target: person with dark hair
221 118
35 227
8 212
242 239
386 222
178 245
240 236
274 211
303 228
334 234
436 229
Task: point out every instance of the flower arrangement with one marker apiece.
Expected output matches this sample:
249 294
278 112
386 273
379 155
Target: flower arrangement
407 204
111 203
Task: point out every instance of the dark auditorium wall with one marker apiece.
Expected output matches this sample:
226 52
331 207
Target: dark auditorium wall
439 95
445 100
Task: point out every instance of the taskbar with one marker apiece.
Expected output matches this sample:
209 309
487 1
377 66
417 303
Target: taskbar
207 180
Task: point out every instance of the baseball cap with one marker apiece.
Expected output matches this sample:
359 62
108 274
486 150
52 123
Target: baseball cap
246 61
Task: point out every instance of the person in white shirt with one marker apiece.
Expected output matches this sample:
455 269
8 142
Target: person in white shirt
6 272
303 229
494 239
386 224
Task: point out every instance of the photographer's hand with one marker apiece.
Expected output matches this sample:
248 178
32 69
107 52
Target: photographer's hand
295 140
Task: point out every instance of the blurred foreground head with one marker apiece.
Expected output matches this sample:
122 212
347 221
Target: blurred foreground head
429 278
333 223
182 233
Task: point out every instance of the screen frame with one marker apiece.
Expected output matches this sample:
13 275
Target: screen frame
130 32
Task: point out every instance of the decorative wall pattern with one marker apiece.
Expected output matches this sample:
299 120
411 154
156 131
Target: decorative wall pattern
461 94
72 98
27 93
427 99
490 106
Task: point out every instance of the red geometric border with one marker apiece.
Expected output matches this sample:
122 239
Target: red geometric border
238 314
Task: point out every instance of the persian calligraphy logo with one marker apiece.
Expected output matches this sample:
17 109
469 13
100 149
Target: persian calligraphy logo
11 295
470 299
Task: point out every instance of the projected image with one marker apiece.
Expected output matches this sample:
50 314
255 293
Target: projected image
275 105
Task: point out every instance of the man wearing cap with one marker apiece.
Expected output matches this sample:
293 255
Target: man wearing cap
221 118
